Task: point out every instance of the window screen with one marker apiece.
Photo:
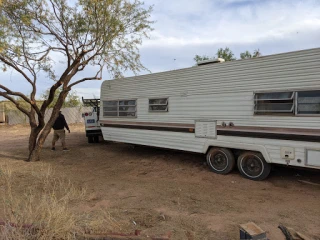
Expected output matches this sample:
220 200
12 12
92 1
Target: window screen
274 103
308 102
121 108
158 105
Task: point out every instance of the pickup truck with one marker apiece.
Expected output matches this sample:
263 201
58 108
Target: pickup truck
91 120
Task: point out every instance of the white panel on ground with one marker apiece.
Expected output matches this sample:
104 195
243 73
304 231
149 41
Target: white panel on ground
206 128
313 158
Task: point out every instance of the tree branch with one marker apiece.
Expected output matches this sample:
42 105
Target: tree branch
11 99
51 31
19 94
61 20
65 78
96 77
84 79
46 52
16 68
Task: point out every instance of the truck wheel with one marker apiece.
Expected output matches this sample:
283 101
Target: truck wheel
253 166
96 139
90 139
220 160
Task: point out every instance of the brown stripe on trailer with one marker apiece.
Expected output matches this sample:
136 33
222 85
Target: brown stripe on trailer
182 125
270 135
293 134
171 127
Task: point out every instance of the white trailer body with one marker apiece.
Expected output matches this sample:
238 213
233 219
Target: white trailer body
269 105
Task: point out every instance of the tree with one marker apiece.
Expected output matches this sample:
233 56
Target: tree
72 100
199 58
226 54
104 34
257 53
245 55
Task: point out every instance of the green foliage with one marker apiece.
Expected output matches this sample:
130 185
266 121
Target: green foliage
199 58
228 55
257 53
105 34
108 31
225 53
245 55
72 100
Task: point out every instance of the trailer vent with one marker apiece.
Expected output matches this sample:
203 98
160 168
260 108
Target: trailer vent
211 61
206 129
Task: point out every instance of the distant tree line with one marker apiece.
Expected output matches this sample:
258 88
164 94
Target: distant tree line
228 55
72 100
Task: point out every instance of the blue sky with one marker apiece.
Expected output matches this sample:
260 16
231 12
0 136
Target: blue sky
185 28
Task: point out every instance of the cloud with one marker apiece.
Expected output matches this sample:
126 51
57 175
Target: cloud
231 24
271 26
88 92
186 28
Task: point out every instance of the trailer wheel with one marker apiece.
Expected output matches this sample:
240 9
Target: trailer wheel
220 160
96 139
253 166
90 139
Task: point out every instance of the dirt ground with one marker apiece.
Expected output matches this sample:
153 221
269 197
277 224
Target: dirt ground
158 190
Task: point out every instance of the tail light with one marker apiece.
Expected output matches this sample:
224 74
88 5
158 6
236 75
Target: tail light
86 114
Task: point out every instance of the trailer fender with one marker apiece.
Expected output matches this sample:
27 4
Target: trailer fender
241 146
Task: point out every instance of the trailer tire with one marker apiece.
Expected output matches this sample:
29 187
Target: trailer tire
221 160
253 166
90 139
96 139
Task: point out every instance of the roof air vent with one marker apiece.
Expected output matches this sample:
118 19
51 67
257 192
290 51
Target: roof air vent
211 61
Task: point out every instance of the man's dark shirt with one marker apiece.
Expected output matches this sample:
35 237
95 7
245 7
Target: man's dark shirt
60 123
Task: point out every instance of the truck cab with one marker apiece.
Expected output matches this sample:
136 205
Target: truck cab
91 120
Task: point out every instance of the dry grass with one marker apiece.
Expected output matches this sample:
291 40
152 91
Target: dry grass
155 191
44 210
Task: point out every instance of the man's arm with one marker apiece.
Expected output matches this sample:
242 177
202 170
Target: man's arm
66 124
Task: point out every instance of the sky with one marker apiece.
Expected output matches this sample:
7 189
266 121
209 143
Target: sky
184 28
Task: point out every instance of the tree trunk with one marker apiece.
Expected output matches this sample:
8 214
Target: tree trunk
35 150
36 141
34 154
33 137
32 144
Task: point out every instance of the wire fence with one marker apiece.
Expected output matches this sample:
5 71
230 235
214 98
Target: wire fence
72 115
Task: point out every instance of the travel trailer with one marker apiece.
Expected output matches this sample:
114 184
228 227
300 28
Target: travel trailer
251 113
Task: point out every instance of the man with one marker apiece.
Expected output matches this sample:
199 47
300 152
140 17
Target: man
59 132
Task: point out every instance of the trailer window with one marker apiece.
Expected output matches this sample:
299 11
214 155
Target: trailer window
127 108
274 103
158 105
308 102
119 108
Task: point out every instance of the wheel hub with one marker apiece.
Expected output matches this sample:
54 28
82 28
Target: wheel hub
219 161
252 166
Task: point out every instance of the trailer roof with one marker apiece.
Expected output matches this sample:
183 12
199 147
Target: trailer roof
234 62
